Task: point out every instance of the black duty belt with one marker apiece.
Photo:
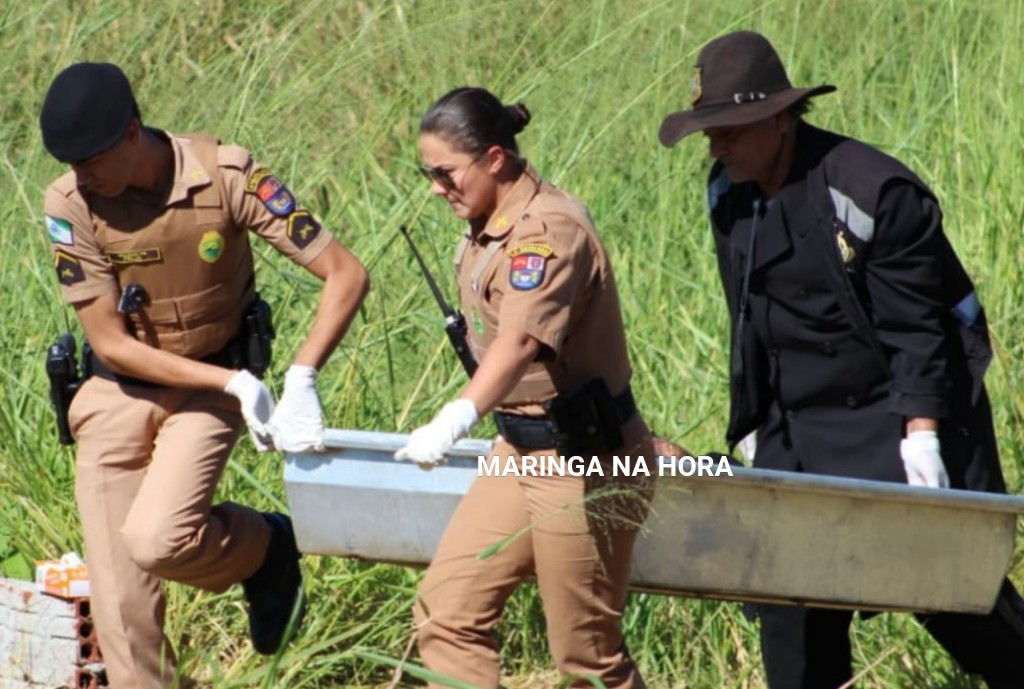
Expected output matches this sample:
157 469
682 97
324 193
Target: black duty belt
533 433
228 357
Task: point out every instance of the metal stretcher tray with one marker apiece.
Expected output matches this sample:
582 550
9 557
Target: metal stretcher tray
757 535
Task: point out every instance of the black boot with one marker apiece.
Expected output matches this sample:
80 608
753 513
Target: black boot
275 587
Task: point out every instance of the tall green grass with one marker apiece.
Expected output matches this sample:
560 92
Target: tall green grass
329 94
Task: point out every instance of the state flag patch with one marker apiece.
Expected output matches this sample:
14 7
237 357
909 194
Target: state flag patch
527 271
59 230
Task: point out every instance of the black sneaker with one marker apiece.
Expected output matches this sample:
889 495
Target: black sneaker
274 589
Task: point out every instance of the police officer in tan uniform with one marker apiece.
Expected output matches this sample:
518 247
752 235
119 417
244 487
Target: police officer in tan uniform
149 235
547 331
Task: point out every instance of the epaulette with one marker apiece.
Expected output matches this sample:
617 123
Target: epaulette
234 157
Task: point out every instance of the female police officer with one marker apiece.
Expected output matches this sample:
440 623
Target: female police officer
547 331
162 221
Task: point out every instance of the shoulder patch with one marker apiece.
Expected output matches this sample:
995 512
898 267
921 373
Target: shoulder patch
255 177
272 192
542 250
59 230
527 270
302 228
69 270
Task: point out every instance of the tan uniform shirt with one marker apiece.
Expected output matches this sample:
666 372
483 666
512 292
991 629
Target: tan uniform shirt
539 266
187 247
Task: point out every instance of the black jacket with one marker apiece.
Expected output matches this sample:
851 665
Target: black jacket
858 315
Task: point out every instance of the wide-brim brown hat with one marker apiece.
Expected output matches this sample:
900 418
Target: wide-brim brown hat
738 79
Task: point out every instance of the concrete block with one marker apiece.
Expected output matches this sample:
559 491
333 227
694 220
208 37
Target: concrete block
45 641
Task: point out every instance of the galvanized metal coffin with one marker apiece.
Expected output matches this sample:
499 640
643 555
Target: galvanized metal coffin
757 535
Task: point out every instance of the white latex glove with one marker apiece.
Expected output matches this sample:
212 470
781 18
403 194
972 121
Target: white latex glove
428 444
257 406
748 446
922 460
298 422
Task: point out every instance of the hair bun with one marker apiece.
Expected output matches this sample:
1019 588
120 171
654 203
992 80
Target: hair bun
520 116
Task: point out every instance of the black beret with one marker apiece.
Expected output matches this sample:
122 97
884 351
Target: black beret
86 111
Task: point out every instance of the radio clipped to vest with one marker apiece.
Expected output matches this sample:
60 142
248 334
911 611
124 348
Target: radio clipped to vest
454 321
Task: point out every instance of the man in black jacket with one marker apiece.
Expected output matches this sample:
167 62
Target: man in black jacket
858 342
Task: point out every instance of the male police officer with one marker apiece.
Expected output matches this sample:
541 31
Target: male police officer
150 244
850 314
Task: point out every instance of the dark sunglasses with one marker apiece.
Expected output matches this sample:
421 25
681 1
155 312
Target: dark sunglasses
439 175
444 176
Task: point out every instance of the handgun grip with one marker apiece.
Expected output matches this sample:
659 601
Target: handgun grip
62 371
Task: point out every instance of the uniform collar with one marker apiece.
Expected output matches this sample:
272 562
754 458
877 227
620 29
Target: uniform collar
511 207
189 173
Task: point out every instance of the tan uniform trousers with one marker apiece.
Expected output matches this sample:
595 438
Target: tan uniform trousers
148 463
575 534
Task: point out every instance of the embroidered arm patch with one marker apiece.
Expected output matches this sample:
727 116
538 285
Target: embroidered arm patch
302 228
528 264
527 271
69 270
60 231
271 191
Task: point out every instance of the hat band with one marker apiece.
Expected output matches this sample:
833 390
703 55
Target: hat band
750 97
